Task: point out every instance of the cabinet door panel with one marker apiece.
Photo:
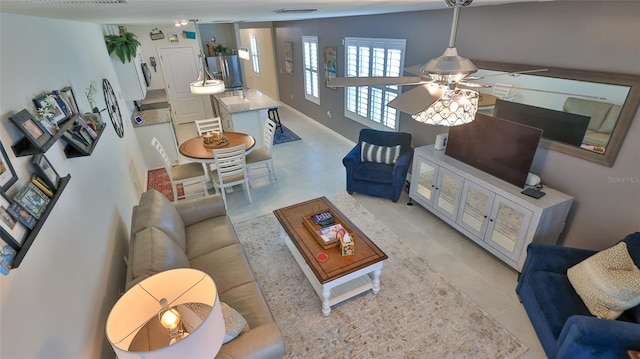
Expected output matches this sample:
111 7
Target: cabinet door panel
448 187
509 223
426 179
475 207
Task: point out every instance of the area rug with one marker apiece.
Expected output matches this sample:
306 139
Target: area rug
417 314
158 179
285 136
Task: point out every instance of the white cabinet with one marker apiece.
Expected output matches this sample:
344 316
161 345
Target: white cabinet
490 211
131 77
157 123
438 187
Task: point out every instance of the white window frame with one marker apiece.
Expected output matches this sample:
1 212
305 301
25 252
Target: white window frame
368 104
255 58
310 67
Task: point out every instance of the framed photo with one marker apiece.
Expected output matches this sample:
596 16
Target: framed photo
12 231
288 57
46 171
28 125
32 199
330 60
50 103
7 174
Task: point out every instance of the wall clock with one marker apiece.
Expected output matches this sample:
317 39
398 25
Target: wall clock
112 107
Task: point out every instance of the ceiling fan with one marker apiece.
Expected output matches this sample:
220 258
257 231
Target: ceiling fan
443 84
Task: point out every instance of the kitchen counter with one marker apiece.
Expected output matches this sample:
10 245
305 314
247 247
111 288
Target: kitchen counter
253 100
152 117
156 123
244 111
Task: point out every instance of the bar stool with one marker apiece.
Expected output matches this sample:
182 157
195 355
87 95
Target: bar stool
273 115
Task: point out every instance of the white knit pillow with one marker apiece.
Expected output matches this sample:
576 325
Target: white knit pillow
379 154
234 323
607 282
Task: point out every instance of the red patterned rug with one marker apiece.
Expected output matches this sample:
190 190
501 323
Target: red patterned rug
158 179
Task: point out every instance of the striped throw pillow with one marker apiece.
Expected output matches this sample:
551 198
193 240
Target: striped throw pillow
379 154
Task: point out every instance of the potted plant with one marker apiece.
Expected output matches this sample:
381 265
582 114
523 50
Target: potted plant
124 44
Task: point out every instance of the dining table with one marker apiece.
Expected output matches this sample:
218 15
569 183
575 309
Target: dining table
195 150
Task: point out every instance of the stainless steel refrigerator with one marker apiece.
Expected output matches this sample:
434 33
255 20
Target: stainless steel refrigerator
226 68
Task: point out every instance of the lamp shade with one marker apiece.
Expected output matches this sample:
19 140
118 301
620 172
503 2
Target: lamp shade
455 107
134 317
206 84
208 87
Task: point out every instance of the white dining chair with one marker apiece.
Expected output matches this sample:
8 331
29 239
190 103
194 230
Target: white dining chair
188 174
230 171
261 157
209 125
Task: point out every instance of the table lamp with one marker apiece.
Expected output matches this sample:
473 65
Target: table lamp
172 314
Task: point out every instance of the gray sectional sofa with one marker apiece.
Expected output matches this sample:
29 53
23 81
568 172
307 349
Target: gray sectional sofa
197 233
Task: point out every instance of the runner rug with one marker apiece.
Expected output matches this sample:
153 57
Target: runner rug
159 179
417 314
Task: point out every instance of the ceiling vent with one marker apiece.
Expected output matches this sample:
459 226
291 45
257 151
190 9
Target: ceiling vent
66 2
294 11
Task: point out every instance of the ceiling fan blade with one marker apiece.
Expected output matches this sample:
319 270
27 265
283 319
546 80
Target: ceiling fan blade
516 73
369 81
417 99
472 85
415 70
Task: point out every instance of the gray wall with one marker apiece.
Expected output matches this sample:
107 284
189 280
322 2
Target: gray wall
583 35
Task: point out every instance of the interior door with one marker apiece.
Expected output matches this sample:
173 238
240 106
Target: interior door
179 67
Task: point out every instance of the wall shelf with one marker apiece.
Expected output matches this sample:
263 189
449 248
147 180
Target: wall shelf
28 241
73 150
24 147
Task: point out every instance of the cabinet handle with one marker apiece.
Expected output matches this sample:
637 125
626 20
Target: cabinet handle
485 216
491 220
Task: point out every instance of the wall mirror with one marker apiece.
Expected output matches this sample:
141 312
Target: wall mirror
606 102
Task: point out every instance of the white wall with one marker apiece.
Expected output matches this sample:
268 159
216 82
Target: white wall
56 303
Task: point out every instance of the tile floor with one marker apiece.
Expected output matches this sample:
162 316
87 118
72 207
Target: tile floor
313 167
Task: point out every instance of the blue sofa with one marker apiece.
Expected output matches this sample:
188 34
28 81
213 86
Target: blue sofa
562 322
379 179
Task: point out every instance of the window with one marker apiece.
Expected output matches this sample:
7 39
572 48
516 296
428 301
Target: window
310 57
373 57
254 54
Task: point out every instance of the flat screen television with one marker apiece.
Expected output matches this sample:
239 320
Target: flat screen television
560 126
499 147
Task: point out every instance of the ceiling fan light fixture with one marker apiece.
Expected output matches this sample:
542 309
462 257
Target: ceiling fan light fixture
455 107
206 84
450 63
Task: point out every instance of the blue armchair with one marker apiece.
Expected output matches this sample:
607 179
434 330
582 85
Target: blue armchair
379 179
563 323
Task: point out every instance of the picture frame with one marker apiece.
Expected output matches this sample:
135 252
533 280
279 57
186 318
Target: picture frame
45 170
28 125
330 61
288 57
12 231
32 200
42 101
8 175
